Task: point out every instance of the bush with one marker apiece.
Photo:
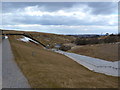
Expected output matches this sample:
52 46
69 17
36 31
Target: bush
80 41
85 41
111 39
65 48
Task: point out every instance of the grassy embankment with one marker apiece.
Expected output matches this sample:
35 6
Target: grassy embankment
46 69
104 51
107 52
46 38
104 47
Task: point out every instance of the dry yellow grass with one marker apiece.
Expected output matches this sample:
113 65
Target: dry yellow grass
45 38
52 39
103 51
46 69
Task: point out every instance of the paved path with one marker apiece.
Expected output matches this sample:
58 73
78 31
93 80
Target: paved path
12 77
0 65
94 64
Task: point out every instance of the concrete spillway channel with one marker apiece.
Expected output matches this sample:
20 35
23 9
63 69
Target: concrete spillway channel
94 64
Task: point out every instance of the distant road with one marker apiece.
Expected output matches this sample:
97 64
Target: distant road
12 77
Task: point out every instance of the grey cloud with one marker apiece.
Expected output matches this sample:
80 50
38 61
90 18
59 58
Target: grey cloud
49 20
97 7
49 6
103 7
46 20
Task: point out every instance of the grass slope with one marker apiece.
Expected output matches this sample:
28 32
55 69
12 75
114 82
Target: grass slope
46 69
45 38
107 52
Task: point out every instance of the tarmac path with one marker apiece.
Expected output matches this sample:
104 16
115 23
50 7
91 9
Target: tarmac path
12 77
0 65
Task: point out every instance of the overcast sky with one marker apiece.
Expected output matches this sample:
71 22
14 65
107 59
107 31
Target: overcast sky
61 18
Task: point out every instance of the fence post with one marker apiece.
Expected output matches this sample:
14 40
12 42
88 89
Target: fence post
33 53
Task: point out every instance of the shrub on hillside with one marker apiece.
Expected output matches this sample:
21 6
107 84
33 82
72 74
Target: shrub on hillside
94 41
111 39
80 41
85 41
65 48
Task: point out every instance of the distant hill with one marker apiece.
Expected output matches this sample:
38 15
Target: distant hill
85 35
45 38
